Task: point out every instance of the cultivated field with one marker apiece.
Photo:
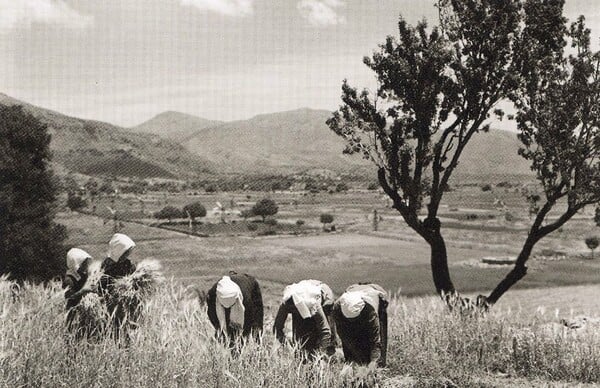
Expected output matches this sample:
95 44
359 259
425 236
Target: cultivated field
174 347
520 343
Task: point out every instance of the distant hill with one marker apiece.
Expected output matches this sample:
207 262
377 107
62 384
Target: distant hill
299 140
176 126
97 148
284 142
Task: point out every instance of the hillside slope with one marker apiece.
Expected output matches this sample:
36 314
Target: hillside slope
299 140
97 148
176 126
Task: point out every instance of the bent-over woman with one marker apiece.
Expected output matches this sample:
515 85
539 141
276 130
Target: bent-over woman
310 303
360 316
235 307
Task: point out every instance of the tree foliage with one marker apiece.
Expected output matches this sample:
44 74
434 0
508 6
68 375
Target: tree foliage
75 201
31 243
265 207
168 213
592 243
438 87
326 218
194 209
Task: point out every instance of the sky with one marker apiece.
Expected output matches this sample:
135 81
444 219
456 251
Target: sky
124 61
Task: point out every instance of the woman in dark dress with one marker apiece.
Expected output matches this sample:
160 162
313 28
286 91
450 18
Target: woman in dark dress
360 316
78 262
307 301
116 266
235 307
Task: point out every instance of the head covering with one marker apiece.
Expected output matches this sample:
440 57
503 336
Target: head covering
352 303
327 297
306 296
229 295
76 257
118 245
353 300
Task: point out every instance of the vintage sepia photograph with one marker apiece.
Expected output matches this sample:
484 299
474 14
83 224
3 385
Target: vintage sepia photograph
299 193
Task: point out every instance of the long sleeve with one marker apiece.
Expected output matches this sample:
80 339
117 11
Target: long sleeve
374 337
324 341
279 323
258 305
211 300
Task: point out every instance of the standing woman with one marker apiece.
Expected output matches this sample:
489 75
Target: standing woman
310 303
117 265
235 307
360 316
78 262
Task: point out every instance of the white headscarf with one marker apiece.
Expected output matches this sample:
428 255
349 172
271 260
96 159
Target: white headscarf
118 245
76 257
229 295
352 304
353 300
306 296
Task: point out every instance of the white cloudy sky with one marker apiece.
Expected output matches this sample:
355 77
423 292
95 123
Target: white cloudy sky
124 61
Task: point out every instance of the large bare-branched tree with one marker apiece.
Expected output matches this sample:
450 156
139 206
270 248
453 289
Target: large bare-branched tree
439 87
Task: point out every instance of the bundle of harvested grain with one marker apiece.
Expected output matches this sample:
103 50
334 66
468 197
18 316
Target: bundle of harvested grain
89 318
125 298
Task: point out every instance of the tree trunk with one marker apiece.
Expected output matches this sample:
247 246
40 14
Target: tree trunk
516 274
439 264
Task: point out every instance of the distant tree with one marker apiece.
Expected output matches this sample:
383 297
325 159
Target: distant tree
92 187
31 243
168 213
439 87
300 222
265 207
341 187
486 187
592 243
106 187
247 213
193 210
75 201
211 188
325 219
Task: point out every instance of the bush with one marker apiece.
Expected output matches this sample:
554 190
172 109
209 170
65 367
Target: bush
326 218
300 222
211 189
75 202
252 227
193 210
341 187
486 187
265 207
169 212
373 186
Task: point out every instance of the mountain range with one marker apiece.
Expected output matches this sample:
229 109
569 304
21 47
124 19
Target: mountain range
179 145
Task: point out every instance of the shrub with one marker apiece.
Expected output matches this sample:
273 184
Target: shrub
486 187
326 218
169 212
341 187
252 227
265 207
300 222
75 202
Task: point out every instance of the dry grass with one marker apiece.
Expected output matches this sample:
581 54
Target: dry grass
173 346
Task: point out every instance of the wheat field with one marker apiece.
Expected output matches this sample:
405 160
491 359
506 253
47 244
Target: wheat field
174 347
